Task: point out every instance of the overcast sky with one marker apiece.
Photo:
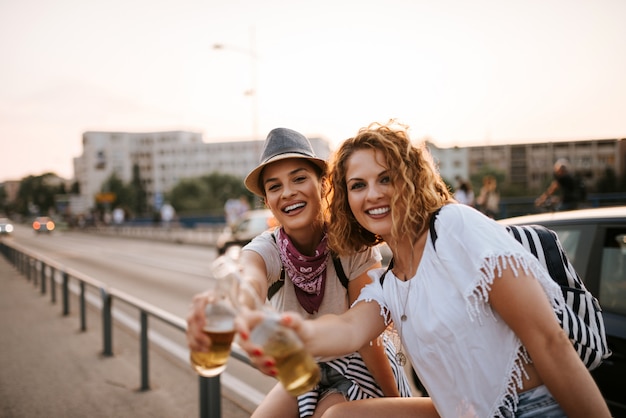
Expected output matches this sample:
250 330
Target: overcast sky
459 72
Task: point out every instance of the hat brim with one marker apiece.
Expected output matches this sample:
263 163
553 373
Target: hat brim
252 179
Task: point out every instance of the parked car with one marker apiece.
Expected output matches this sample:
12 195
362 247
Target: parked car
595 243
253 223
6 227
43 224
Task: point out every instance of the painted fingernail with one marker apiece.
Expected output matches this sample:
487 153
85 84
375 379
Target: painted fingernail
273 372
269 363
244 336
257 352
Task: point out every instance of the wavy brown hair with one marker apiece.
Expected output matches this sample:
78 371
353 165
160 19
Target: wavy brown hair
418 187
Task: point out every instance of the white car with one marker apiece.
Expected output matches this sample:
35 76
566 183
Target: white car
253 223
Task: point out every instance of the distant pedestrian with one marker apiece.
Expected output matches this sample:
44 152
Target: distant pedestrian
464 193
235 209
566 184
488 200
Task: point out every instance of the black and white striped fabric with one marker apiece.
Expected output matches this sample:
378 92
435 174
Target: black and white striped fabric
582 317
363 386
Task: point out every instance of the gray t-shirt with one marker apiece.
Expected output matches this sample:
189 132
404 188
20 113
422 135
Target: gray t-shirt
335 295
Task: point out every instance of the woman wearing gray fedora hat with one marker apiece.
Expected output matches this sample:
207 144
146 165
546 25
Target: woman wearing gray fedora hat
294 267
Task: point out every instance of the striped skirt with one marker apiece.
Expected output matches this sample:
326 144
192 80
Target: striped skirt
363 386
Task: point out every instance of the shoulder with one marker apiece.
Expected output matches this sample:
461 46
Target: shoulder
462 225
265 246
458 215
264 241
357 263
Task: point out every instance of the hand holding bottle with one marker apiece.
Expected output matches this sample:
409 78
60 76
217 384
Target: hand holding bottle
220 308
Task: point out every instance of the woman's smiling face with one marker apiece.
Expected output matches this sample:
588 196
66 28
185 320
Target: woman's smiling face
369 191
293 191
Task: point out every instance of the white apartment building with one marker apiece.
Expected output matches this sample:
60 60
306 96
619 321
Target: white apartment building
530 166
163 159
452 162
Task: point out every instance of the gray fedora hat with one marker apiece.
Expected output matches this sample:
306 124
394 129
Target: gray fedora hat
281 143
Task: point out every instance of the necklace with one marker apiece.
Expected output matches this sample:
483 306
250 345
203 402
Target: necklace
400 356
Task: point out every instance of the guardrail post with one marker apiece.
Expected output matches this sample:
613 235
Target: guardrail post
83 308
20 262
145 378
53 285
42 276
107 328
210 397
35 272
29 265
66 294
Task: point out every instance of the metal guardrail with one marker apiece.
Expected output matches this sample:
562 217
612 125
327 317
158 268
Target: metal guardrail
201 235
43 271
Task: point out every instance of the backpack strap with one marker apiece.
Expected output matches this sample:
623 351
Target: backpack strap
339 270
433 238
276 286
554 260
431 223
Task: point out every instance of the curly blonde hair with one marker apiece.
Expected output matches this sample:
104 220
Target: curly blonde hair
418 187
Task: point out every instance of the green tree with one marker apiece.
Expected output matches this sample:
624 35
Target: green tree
36 194
190 196
139 203
206 194
125 196
75 188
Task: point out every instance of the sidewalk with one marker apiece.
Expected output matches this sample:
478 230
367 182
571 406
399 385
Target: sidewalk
49 368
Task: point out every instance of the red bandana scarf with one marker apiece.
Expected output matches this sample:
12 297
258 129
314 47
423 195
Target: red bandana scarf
308 274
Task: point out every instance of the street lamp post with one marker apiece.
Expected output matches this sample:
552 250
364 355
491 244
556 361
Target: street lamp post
252 91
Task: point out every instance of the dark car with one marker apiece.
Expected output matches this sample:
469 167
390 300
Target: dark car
595 243
6 227
43 224
253 223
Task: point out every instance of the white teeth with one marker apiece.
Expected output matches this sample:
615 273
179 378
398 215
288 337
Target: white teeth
293 207
378 211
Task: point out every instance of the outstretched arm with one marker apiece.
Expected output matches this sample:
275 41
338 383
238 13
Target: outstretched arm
326 336
373 352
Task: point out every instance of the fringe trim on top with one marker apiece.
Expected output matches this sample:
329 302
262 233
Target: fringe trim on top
509 399
477 306
493 265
